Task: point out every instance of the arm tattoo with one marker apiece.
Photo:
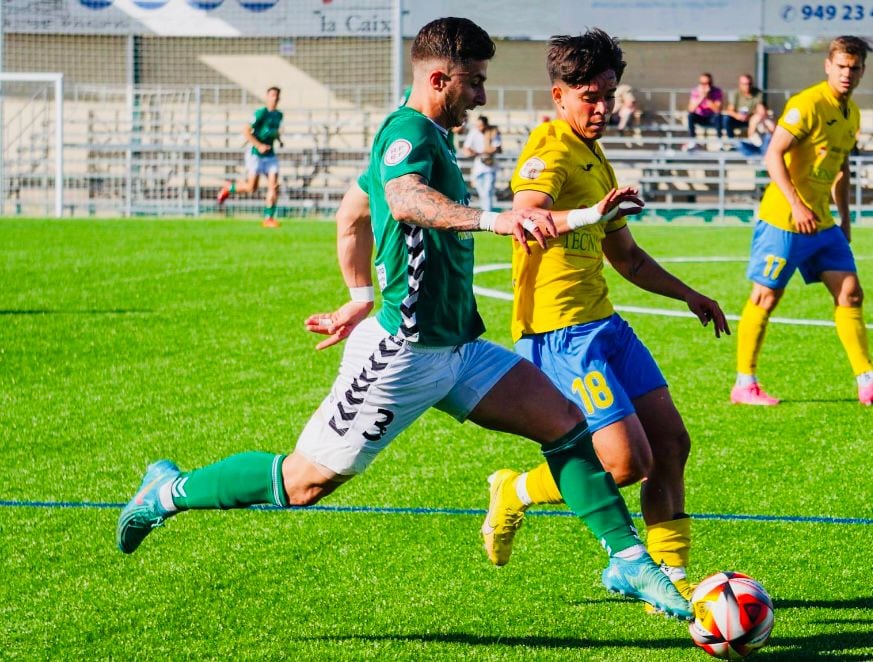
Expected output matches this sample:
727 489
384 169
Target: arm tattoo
411 200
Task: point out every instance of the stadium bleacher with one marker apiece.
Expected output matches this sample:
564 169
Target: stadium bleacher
168 149
175 162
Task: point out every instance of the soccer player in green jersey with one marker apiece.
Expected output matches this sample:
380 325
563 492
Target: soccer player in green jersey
422 349
260 159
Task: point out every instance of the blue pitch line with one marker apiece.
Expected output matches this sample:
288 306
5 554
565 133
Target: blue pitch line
387 510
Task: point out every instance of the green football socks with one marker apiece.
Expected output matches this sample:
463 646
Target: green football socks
270 212
589 491
239 481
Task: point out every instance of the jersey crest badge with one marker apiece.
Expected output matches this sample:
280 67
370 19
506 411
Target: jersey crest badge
397 151
792 117
532 168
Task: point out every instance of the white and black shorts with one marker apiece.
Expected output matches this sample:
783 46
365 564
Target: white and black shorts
385 383
261 165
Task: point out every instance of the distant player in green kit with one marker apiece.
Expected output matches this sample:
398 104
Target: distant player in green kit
260 159
422 349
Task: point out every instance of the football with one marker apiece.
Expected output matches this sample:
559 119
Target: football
733 615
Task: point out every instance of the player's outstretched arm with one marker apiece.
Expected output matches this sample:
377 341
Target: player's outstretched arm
617 203
411 200
637 266
354 245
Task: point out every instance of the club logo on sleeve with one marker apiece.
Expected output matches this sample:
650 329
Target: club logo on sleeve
792 117
397 151
532 168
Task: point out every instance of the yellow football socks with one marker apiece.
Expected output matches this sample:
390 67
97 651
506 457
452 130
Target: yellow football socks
750 337
670 542
541 487
853 335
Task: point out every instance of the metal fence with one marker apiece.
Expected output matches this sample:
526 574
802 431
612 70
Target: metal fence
166 151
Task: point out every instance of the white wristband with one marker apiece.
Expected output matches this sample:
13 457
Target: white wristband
487 220
580 217
366 293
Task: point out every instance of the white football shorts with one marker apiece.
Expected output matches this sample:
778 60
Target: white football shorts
385 383
261 165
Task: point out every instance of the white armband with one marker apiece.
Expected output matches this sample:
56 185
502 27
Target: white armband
366 293
487 220
589 216
581 217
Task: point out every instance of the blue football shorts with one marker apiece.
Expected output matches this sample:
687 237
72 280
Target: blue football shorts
601 366
776 253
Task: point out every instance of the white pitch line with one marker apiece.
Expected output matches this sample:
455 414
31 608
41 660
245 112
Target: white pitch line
663 312
691 260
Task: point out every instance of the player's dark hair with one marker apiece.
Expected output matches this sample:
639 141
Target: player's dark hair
578 60
454 39
270 89
483 119
850 46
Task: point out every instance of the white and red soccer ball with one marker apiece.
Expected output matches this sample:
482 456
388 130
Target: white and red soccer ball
733 615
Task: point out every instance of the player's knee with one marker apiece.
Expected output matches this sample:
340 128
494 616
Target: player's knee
764 298
304 482
676 448
630 471
303 496
628 461
853 298
684 446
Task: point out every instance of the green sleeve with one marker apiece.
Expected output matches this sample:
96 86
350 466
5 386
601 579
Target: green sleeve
409 147
258 119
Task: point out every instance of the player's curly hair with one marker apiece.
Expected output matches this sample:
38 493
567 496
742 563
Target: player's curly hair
453 39
578 60
850 45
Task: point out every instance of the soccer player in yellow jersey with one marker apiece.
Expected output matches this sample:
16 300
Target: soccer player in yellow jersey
808 163
563 321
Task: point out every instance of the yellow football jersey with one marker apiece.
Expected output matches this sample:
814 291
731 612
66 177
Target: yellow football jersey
562 285
826 133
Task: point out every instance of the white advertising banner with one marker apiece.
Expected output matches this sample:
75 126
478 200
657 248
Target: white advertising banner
207 18
627 19
818 19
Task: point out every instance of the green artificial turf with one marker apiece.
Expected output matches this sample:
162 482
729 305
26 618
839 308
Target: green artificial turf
122 342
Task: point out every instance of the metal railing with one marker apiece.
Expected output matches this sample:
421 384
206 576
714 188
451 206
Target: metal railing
168 151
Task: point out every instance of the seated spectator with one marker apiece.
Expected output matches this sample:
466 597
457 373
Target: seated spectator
626 109
740 106
704 108
761 128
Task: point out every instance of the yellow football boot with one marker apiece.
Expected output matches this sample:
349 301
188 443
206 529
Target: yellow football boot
504 518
